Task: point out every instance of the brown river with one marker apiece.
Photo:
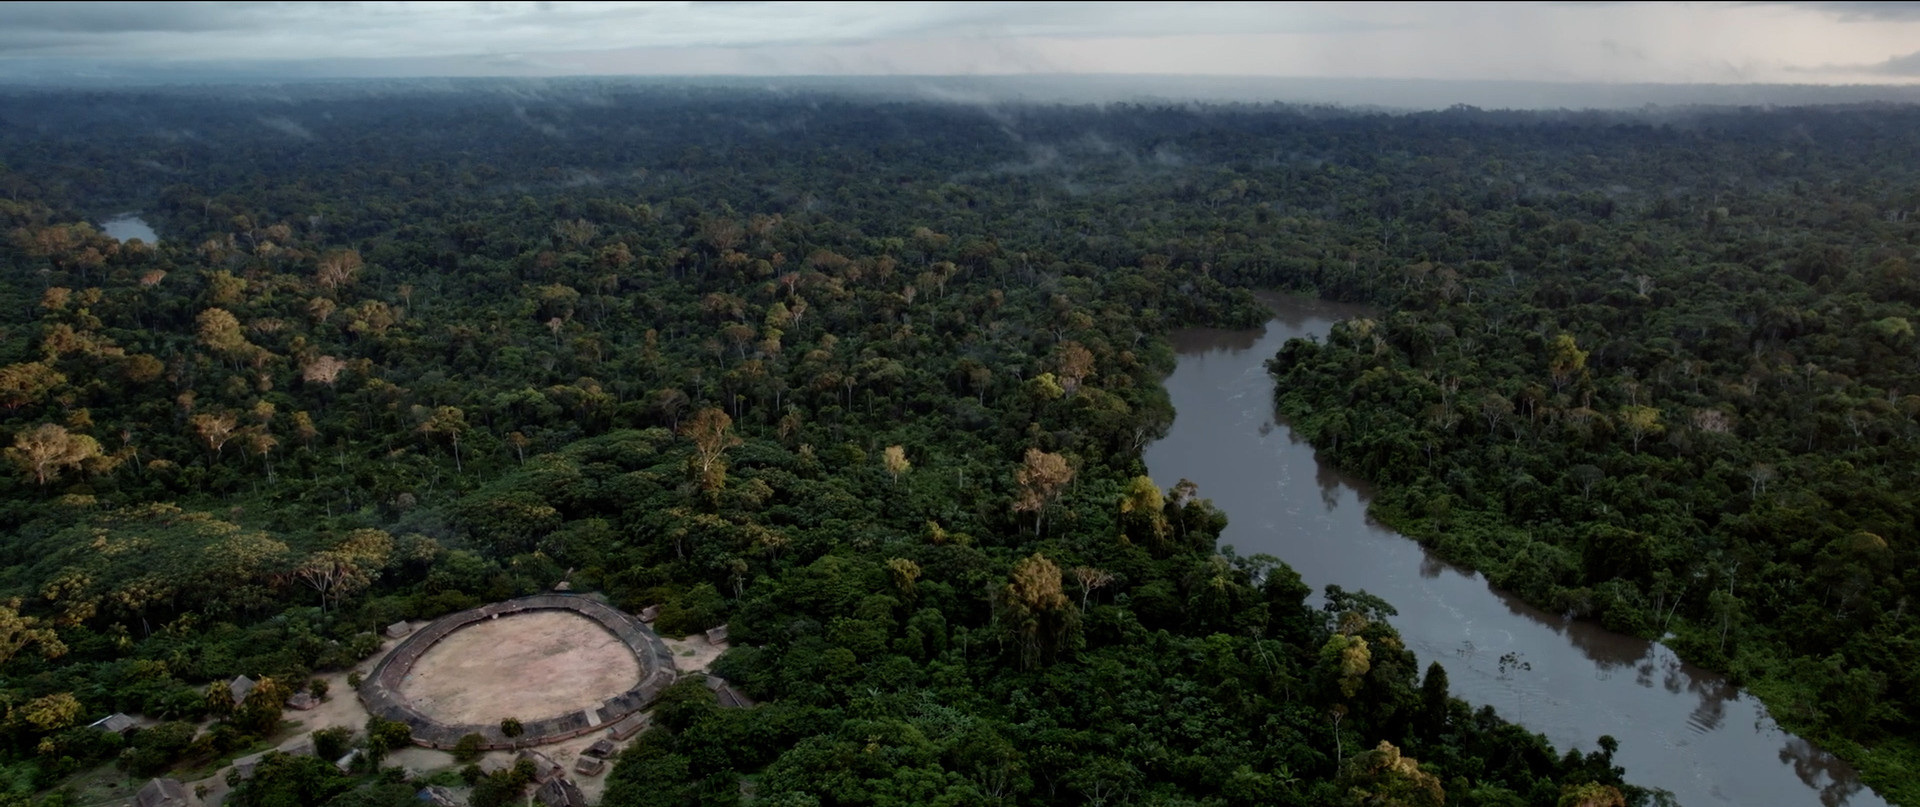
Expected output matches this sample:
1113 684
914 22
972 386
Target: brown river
1680 727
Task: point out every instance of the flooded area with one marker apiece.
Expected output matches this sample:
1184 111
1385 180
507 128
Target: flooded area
1680 727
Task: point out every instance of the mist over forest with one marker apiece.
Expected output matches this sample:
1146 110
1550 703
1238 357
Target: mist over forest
862 370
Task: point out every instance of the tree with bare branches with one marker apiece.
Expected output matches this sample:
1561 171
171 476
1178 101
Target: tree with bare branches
710 430
1043 477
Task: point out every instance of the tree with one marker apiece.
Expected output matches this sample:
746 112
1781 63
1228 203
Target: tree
709 429
337 268
1565 361
18 632
1042 478
322 370
905 574
1586 476
22 384
47 449
48 713
1640 423
895 458
1090 580
449 421
1037 608
215 430
220 331
1143 514
1385 778
1073 364
468 749
260 711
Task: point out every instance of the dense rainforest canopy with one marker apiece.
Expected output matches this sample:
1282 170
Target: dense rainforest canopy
868 382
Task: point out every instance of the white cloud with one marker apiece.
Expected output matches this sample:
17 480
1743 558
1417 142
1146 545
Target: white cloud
1693 42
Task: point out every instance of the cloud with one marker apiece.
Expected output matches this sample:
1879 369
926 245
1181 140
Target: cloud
1866 11
1908 65
198 30
1604 42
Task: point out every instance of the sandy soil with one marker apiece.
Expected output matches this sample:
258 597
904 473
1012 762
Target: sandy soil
343 708
528 666
693 653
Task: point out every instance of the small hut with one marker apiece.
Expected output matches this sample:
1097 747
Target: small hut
560 792
240 688
628 726
303 701
165 793
603 749
717 635
650 613
588 766
494 765
544 768
398 629
726 695
116 723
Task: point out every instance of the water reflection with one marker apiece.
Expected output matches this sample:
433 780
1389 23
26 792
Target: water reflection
1681 728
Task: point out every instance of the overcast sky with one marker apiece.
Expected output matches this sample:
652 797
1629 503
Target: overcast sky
1839 42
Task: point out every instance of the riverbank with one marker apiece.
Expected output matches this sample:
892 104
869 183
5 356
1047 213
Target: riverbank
1681 728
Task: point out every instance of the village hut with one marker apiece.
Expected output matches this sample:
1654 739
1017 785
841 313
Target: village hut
544 767
588 766
726 695
650 613
600 750
628 726
165 793
116 723
561 792
240 688
398 629
717 635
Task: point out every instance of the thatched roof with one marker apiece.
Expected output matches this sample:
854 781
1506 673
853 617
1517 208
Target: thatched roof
561 792
116 723
544 767
164 793
628 726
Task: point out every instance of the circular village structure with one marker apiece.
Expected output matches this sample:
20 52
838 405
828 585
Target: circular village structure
382 692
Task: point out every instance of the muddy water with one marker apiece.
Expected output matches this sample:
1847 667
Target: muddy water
1680 727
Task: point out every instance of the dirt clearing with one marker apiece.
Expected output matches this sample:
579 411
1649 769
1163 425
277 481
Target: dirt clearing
526 666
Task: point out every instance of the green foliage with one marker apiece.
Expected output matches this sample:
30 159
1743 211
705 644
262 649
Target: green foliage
698 609
468 751
661 357
288 780
332 743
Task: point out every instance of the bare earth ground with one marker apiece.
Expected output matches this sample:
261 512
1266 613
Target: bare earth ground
342 709
527 666
694 653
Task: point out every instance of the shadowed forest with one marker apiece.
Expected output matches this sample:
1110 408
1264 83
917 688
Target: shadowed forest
868 382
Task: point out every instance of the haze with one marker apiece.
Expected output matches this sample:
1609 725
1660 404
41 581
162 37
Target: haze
1874 44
